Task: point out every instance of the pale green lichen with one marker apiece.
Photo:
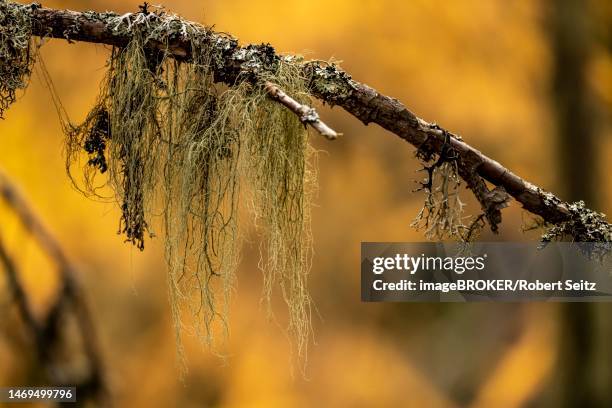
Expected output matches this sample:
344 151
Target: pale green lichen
173 143
16 54
283 180
329 81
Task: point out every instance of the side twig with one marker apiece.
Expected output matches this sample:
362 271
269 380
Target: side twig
306 114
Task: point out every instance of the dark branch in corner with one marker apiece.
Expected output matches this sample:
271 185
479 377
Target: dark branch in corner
333 86
47 333
17 291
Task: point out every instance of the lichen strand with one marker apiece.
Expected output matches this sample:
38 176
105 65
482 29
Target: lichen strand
201 182
177 145
125 124
442 214
16 54
283 182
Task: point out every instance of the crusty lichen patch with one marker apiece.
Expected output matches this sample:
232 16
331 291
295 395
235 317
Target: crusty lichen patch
583 225
16 55
330 81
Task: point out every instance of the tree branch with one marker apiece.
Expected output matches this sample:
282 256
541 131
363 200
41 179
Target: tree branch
328 83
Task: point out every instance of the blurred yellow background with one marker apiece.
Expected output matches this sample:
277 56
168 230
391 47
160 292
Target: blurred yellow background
478 68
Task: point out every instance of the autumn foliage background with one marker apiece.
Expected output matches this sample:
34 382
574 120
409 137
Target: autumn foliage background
479 68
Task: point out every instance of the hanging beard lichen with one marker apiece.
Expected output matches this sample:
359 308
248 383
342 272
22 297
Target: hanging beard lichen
124 123
16 57
201 183
170 139
442 214
283 181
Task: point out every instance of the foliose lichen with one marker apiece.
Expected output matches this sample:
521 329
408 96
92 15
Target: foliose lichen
327 80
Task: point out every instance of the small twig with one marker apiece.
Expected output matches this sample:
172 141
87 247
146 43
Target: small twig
306 114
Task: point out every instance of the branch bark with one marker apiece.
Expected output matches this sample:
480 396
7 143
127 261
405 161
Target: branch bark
329 84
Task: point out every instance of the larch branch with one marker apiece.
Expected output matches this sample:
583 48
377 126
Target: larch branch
328 83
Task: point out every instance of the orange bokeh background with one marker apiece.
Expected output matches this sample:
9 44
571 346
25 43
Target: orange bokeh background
479 68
